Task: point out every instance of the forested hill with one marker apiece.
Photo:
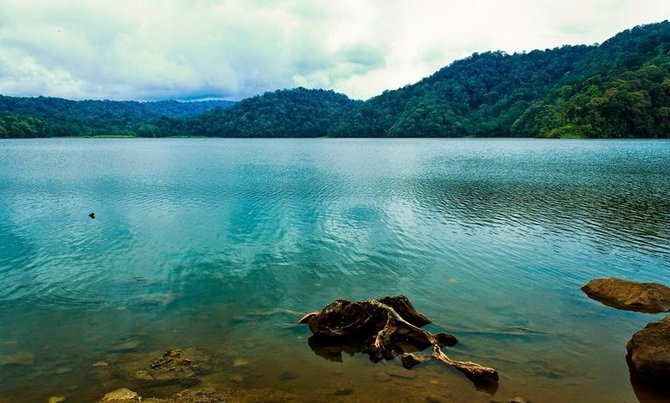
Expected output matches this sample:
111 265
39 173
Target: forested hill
49 117
284 113
620 88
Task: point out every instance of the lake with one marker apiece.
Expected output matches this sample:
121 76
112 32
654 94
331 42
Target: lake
221 244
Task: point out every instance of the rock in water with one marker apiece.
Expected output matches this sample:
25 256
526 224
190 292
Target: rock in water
175 366
649 354
201 395
121 395
382 329
204 395
629 295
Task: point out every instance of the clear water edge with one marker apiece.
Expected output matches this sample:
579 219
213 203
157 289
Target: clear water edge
194 237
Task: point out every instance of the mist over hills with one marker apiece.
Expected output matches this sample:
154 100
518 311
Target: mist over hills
620 88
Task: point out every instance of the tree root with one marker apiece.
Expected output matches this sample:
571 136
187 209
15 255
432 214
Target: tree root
383 329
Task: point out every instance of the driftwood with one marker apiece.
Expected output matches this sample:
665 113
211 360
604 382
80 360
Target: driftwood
383 329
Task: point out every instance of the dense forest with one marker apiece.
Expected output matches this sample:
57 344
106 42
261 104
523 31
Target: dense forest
53 117
284 113
620 88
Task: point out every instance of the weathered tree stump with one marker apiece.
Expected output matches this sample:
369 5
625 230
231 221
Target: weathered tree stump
383 329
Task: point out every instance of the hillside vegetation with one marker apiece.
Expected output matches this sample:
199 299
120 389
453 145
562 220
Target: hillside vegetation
54 117
620 88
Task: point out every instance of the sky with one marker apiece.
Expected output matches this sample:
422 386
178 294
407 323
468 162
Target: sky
233 49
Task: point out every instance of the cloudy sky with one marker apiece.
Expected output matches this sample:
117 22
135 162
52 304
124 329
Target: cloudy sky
192 49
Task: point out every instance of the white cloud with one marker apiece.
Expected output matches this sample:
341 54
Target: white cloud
150 49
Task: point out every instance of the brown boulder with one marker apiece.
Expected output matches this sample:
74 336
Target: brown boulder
175 366
629 295
649 354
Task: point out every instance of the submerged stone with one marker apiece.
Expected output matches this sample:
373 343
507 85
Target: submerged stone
401 373
287 376
382 377
343 392
629 295
649 354
201 395
121 395
22 358
175 366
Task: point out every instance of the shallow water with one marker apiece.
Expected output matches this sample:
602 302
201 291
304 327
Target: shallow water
220 244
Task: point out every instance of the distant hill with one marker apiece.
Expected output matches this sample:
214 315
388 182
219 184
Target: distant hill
620 88
51 117
284 113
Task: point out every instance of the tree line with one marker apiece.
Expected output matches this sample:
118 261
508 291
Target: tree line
620 88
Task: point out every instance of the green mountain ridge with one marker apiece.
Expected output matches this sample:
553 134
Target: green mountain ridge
54 117
620 88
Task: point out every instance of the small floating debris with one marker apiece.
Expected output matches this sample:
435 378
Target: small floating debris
56 399
92 215
99 364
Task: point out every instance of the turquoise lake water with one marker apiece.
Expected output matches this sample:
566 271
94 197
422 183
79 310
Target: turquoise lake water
220 244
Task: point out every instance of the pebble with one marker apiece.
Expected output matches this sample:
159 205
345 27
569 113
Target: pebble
518 399
287 376
122 394
240 362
